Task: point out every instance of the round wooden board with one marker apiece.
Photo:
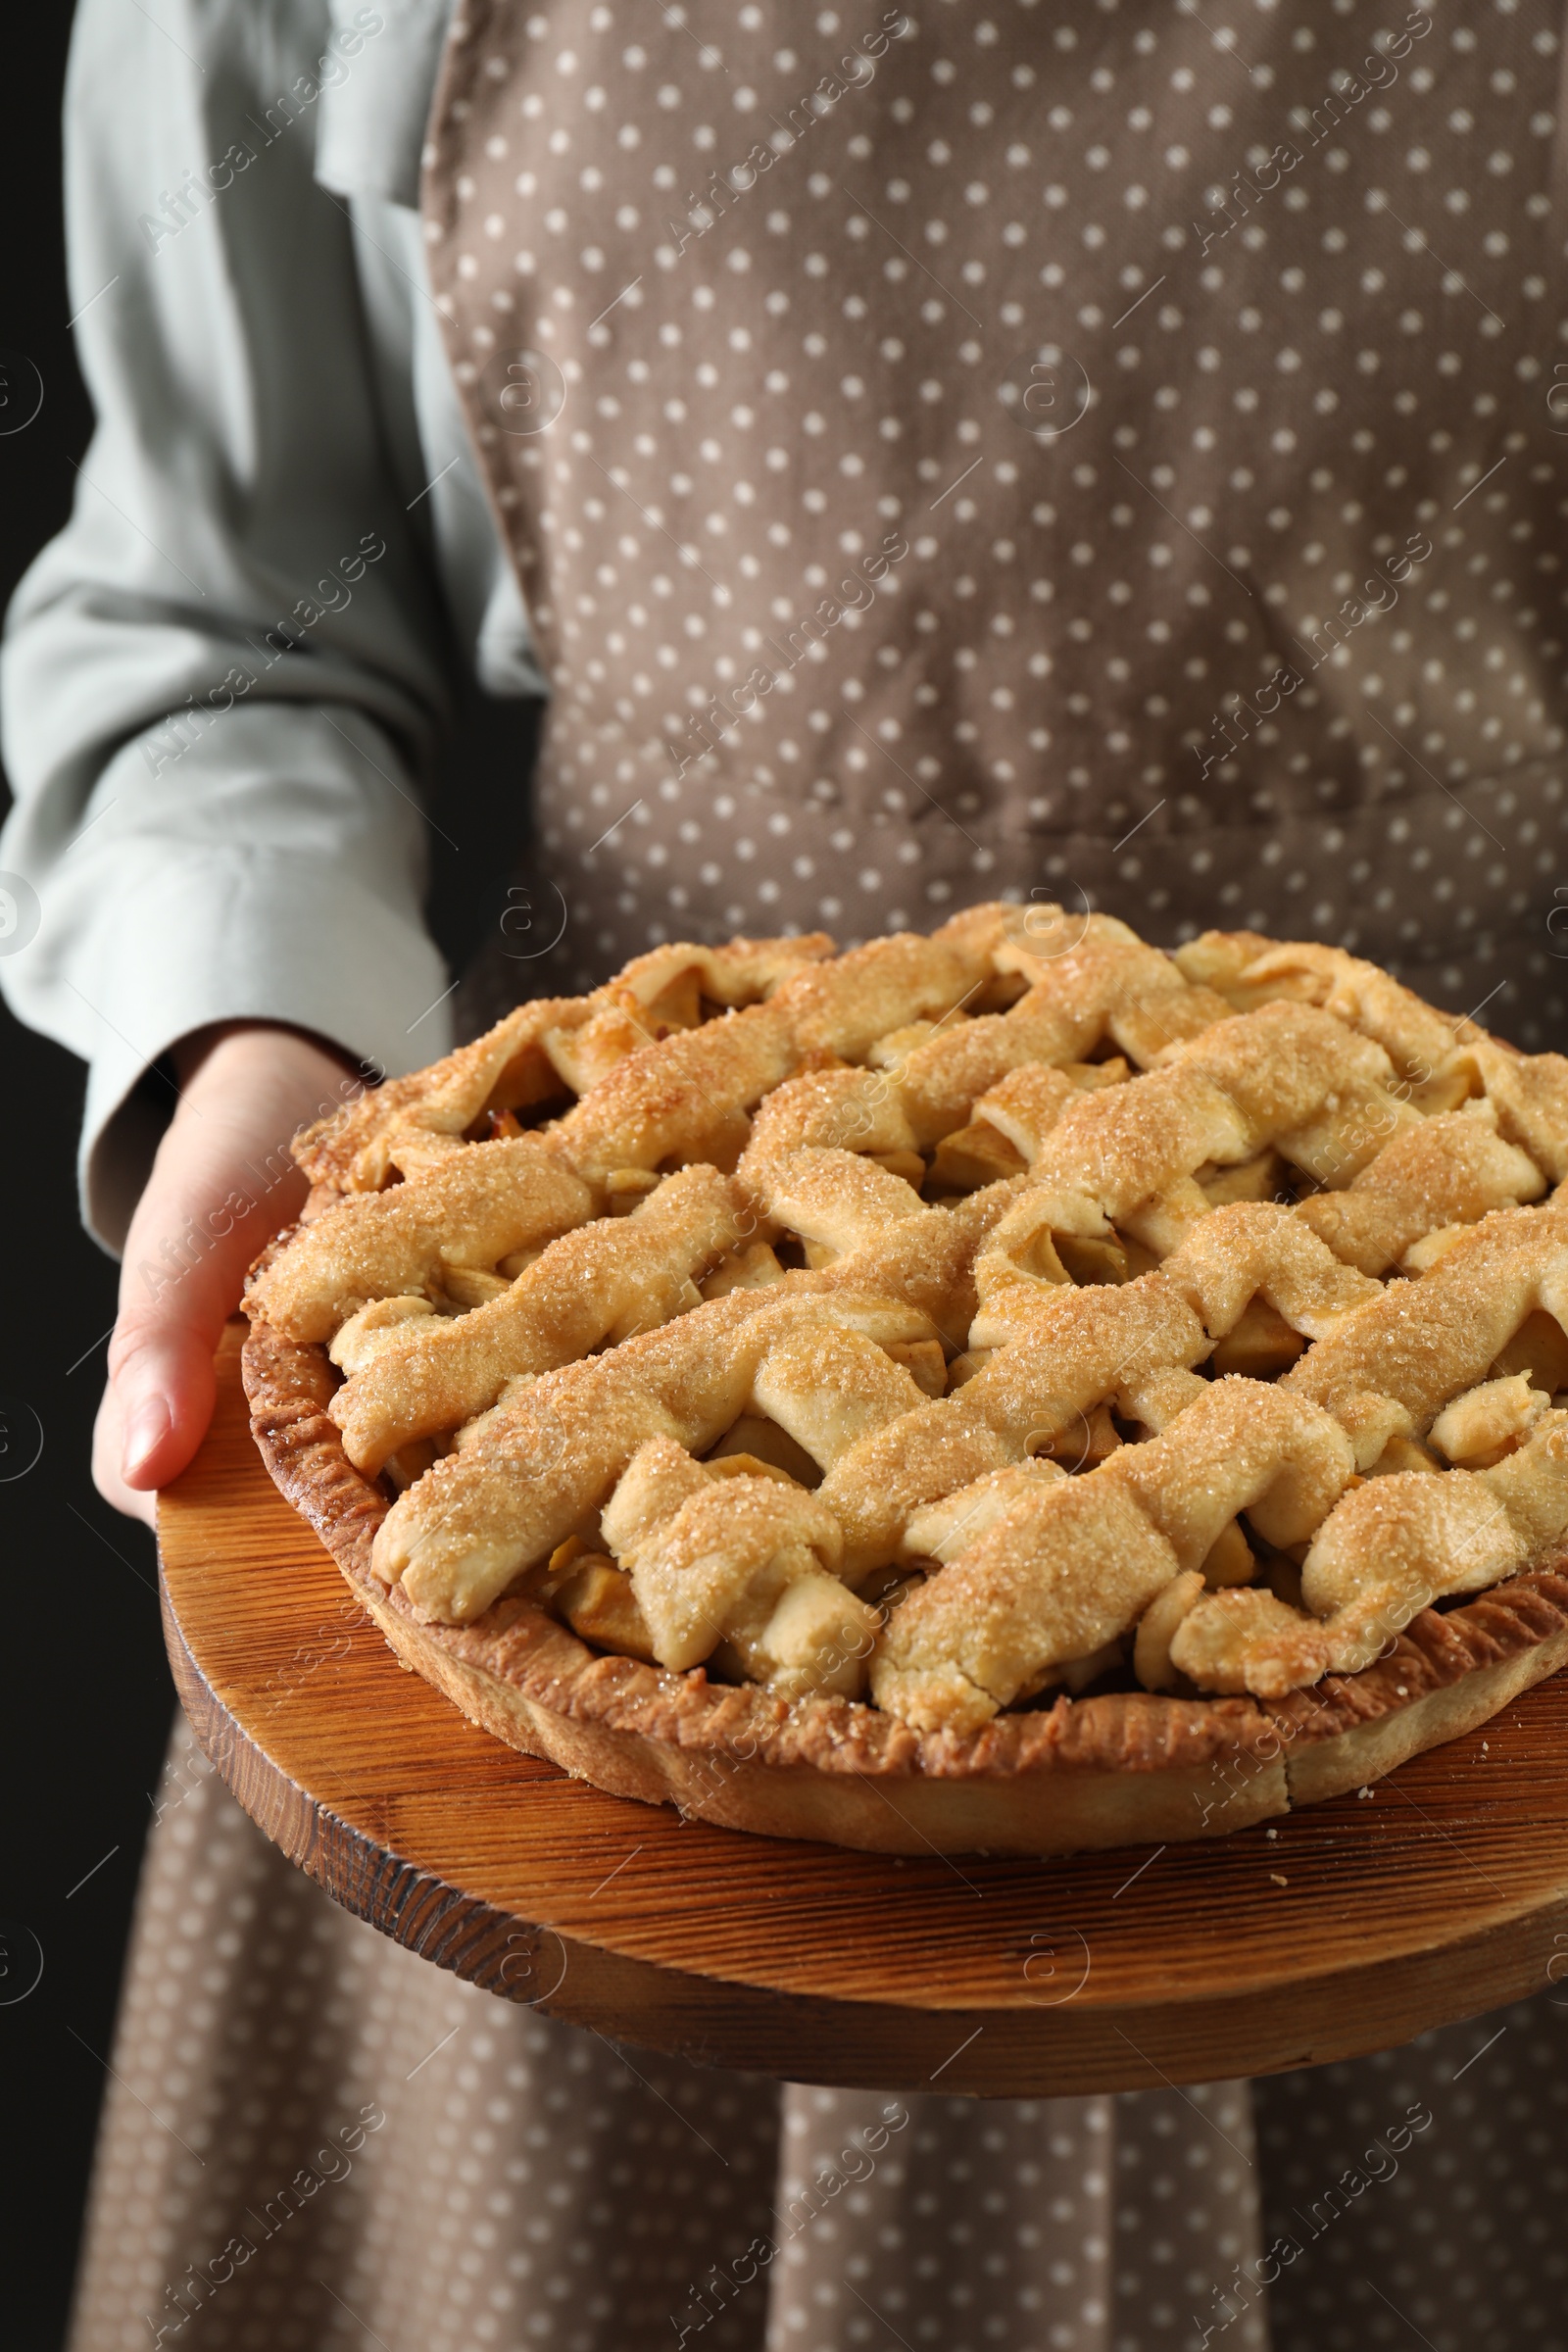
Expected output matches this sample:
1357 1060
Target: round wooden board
1357 1924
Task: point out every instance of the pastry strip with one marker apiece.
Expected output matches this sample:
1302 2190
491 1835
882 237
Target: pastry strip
469 1210
609 1279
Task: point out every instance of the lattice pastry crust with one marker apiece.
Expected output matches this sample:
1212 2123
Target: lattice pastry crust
1009 1327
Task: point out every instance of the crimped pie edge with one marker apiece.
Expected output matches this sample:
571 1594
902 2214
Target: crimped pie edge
1115 1769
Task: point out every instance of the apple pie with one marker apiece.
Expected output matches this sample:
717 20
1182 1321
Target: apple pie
1011 1390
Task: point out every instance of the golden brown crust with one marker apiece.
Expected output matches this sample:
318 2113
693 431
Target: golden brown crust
1107 1770
1437 1649
289 1388
532 1364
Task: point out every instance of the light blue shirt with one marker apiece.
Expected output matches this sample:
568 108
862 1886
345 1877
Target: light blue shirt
212 825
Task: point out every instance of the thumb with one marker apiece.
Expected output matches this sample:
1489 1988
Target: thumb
222 1183
161 1357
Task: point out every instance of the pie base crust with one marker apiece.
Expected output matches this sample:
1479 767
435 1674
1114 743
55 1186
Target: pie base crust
1114 1769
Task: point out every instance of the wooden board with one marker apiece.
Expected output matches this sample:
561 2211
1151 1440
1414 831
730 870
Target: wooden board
1356 1925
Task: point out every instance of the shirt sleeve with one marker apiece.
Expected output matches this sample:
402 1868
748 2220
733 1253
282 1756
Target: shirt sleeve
223 680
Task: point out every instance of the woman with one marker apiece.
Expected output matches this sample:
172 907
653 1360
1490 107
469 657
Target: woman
1107 457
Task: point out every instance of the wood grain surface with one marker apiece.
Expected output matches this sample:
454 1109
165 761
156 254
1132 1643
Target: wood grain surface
1355 1925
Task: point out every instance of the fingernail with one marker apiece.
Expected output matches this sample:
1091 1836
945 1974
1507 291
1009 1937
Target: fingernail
149 1425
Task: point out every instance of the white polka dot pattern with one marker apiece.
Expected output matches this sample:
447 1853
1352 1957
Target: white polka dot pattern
1271 633
1452 2235
1073 2225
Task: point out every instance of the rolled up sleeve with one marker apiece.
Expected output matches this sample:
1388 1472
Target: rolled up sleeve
224 681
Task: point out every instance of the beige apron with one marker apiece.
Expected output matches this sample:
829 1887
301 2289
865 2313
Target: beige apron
925 491
891 406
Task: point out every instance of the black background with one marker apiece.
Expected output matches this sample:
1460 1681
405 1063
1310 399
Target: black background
87 1698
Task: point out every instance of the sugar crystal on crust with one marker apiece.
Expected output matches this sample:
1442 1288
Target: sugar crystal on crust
970 1231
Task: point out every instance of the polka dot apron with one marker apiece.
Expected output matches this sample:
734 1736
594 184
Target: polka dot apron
1104 453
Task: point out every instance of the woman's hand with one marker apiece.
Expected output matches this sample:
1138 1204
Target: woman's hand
223 1184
